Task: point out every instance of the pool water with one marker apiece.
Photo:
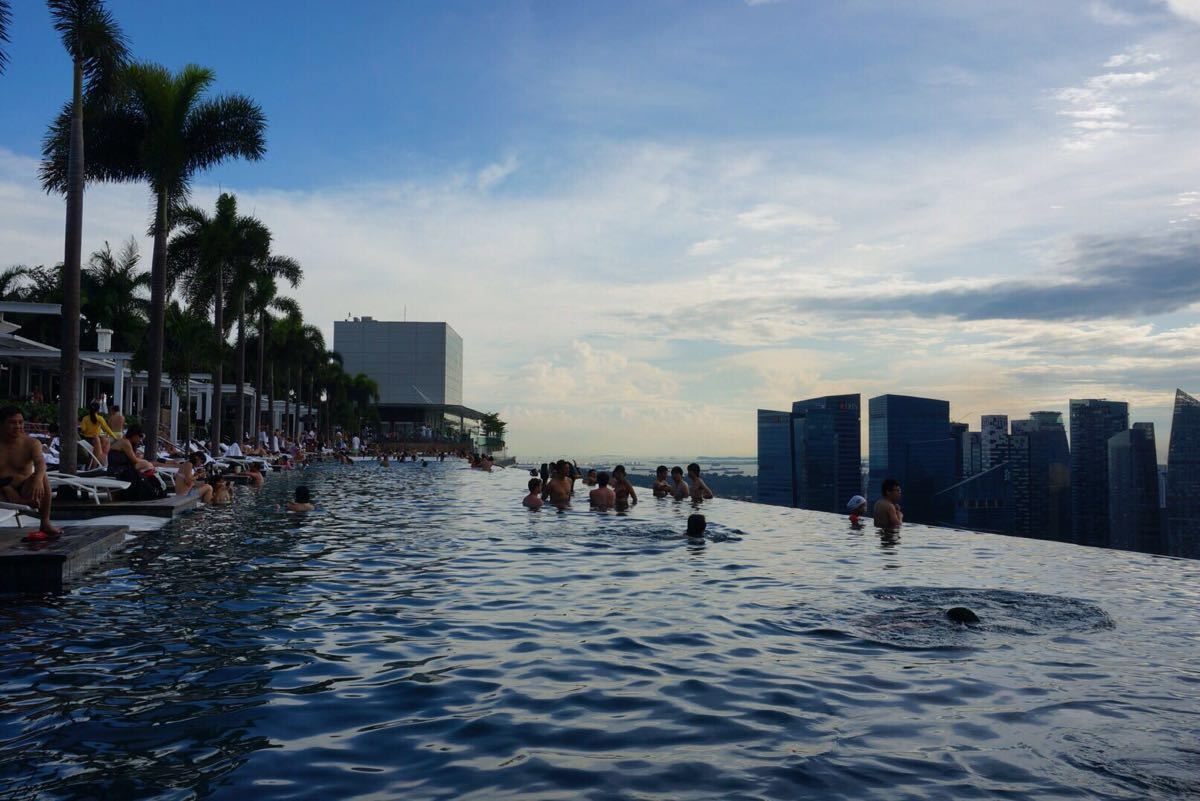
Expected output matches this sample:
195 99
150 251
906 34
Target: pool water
424 637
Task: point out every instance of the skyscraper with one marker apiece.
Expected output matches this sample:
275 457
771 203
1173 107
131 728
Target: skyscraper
910 441
1183 478
961 434
1093 422
815 460
845 417
774 457
994 430
1133 519
1041 477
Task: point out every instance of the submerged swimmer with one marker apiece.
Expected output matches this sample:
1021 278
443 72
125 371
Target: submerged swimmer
302 502
961 614
696 526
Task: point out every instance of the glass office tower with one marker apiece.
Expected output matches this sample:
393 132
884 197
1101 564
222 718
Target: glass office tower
1133 518
836 451
910 441
774 457
1093 423
1183 478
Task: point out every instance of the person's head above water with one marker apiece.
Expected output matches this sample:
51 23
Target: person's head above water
676 472
535 485
619 471
856 504
696 525
891 489
661 472
602 478
302 495
693 469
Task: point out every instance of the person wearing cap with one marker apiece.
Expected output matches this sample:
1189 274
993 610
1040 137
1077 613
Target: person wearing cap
856 507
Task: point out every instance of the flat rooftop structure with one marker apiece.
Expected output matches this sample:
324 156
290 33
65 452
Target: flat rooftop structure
169 507
415 364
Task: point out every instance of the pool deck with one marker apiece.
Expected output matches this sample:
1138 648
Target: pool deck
169 507
45 566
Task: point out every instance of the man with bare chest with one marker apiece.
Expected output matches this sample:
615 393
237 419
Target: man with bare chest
22 469
559 488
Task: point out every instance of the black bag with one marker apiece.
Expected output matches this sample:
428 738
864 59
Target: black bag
141 488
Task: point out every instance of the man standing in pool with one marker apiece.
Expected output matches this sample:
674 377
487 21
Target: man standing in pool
887 509
700 490
626 496
680 489
559 488
661 486
22 469
602 497
534 499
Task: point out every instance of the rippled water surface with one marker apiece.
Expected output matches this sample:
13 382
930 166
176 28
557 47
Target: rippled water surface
424 637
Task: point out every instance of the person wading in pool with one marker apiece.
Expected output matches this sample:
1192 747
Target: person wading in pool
662 484
626 495
700 490
887 509
22 469
680 489
534 499
602 497
559 488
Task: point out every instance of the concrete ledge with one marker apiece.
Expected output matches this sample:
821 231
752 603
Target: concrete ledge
38 567
169 507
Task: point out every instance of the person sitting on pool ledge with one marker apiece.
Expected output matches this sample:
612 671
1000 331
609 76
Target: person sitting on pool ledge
23 469
602 497
661 486
185 483
680 490
887 509
302 503
534 499
700 490
696 526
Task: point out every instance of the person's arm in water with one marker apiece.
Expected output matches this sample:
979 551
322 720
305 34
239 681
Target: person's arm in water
632 492
895 516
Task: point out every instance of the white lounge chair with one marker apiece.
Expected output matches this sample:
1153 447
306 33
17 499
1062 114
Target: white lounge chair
92 459
13 511
90 486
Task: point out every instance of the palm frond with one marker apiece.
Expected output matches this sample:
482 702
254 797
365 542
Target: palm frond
230 126
92 37
113 132
5 23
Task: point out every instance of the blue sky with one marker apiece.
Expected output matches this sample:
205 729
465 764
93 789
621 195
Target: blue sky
649 219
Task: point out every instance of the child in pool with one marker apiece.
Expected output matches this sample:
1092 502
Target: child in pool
221 493
534 499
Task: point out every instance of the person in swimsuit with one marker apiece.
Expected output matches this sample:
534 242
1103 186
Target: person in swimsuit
626 495
122 457
696 526
220 490
92 426
534 499
303 501
680 489
186 484
590 480
700 490
602 497
23 469
661 486
856 507
116 420
558 489
887 509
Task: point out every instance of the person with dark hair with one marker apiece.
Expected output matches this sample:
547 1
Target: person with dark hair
602 497
626 495
680 488
92 426
887 509
661 486
534 499
220 490
23 477
544 472
123 457
186 484
700 490
696 526
558 489
302 502
589 478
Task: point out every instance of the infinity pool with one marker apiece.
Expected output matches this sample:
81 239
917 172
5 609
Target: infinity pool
424 637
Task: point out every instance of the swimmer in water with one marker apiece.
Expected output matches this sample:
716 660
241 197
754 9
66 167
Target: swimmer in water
602 497
220 490
558 488
534 499
662 485
680 489
302 502
856 507
696 526
591 479
626 495
887 509
700 490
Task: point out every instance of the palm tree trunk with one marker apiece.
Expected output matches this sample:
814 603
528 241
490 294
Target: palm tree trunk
68 404
287 402
271 405
158 299
214 444
239 419
258 386
187 407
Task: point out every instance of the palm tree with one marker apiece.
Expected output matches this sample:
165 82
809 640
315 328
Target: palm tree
5 21
11 280
312 356
363 391
160 130
253 285
98 52
188 334
206 256
114 287
265 302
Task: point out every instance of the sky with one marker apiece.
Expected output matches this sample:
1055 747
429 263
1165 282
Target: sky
649 219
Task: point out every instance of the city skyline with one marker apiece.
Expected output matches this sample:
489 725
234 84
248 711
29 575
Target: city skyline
710 209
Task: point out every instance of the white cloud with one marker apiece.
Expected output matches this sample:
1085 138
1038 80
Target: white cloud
775 216
1188 9
705 247
494 174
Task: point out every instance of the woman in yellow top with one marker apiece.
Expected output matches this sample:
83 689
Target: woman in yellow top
91 426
